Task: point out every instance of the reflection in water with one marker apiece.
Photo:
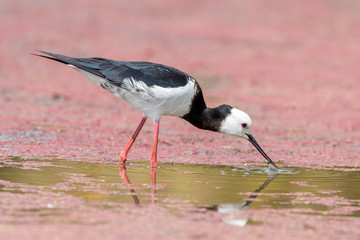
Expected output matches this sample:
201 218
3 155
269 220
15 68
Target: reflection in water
153 184
236 214
179 187
122 172
124 177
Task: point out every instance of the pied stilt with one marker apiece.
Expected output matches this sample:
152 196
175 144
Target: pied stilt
157 90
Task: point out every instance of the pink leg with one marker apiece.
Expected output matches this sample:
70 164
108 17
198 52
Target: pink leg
125 151
153 162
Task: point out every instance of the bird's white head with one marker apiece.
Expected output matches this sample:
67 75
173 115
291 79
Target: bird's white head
237 123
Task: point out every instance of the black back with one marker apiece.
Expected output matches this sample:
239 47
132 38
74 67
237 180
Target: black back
116 71
151 74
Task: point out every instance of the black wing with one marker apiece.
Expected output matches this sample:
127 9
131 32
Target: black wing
116 71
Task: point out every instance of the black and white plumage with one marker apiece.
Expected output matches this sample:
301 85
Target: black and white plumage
158 90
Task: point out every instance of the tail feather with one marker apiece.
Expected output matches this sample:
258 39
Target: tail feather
79 63
52 57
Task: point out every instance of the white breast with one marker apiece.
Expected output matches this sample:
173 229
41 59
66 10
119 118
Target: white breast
153 101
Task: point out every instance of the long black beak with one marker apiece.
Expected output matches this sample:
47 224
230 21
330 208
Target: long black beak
257 146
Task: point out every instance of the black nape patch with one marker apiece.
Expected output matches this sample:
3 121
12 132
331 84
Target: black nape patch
206 118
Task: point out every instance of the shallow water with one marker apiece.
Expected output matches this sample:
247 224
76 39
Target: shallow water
229 190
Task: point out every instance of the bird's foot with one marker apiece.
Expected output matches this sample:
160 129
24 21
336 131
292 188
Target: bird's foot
153 163
153 166
122 159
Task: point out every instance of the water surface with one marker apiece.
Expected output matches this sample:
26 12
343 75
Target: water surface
229 190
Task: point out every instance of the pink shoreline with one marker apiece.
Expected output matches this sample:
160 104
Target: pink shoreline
292 65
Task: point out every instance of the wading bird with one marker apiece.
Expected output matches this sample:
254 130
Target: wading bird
158 90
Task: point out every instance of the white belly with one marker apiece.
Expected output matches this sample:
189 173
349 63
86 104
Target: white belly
156 101
153 101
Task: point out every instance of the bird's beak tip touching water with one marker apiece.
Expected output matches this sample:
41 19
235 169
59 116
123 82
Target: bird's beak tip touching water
257 146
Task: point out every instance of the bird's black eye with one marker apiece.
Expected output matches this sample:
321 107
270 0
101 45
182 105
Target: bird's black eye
244 125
